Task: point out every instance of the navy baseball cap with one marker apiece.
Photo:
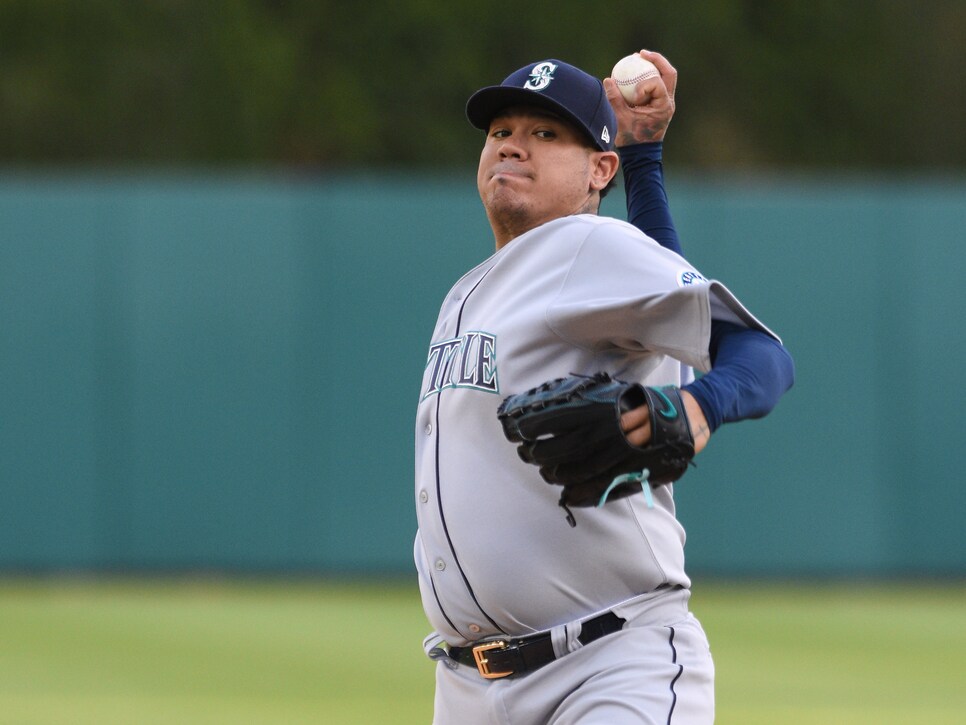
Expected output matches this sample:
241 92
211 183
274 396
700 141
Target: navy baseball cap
556 86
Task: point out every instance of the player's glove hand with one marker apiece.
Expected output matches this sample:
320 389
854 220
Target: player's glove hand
570 428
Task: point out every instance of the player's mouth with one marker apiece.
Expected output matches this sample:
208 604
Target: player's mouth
507 171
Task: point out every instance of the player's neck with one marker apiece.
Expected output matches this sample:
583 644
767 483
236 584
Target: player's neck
506 228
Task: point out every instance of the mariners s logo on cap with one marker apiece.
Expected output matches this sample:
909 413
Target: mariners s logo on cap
540 76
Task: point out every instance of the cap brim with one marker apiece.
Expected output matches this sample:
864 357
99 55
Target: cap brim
484 105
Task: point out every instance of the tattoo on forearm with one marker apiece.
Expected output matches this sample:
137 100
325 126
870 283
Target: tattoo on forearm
702 432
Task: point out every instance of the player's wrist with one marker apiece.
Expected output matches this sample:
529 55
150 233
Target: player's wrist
641 152
700 429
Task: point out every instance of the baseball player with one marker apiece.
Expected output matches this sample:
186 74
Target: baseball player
580 614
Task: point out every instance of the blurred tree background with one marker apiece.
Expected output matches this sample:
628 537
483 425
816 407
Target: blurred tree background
329 84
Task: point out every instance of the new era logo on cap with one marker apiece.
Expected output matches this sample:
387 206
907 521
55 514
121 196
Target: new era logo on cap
555 86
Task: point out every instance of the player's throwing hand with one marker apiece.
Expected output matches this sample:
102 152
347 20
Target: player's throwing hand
648 121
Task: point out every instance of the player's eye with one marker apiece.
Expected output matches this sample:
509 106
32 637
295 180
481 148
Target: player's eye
499 133
545 133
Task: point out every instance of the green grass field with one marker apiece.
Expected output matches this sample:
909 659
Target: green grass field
224 651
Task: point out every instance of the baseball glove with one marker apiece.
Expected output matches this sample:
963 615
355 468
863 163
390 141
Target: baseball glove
570 428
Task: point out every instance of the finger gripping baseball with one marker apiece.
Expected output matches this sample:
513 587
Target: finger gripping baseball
570 429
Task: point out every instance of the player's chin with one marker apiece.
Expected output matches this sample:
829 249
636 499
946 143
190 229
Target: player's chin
505 194
506 205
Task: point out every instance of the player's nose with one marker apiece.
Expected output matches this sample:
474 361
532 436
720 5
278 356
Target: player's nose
511 148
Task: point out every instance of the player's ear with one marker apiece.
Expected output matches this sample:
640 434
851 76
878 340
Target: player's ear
605 165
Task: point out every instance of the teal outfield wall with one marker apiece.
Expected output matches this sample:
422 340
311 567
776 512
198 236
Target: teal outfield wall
214 373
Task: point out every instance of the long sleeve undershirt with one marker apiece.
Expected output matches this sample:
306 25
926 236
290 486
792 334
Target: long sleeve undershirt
647 204
750 370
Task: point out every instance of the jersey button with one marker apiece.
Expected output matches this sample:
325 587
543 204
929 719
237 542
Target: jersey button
423 496
475 628
429 429
440 565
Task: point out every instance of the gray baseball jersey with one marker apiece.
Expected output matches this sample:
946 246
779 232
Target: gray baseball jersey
579 294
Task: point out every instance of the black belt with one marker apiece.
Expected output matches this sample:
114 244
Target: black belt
509 657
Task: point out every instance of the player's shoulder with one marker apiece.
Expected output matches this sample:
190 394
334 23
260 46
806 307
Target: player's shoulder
627 248
600 221
619 236
607 227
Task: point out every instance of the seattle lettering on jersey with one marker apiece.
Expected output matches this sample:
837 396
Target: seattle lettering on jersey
463 362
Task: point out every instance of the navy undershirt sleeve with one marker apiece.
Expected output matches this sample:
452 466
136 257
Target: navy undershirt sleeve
750 370
647 204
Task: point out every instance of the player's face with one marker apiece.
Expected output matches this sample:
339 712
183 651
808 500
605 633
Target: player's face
536 167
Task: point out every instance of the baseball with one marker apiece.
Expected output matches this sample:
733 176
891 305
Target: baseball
629 72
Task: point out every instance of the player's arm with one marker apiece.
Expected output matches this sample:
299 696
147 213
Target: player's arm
750 371
640 134
647 202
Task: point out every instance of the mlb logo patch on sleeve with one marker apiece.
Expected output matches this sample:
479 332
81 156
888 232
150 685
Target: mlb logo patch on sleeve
689 277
